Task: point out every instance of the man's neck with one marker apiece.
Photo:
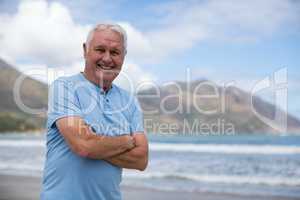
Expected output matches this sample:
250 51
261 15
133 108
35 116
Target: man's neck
98 82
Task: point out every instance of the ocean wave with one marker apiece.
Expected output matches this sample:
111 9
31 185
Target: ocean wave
20 167
223 179
186 147
225 149
22 143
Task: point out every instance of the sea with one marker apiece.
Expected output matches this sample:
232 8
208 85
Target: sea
264 165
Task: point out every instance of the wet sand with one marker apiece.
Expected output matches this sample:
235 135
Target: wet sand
28 188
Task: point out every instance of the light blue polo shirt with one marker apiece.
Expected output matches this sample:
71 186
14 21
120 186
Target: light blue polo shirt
67 175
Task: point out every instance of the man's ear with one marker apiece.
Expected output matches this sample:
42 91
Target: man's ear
84 50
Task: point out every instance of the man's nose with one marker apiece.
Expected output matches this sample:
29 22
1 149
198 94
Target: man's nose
106 57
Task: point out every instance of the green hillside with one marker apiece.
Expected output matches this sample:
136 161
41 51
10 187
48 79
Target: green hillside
230 109
172 109
33 94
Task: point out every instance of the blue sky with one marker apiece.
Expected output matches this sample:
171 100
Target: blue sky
244 41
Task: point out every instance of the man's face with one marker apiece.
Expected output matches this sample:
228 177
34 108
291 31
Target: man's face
104 56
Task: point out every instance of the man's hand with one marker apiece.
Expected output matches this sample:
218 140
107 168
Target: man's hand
131 141
86 143
135 158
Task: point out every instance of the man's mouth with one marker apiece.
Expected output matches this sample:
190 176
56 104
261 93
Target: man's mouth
103 67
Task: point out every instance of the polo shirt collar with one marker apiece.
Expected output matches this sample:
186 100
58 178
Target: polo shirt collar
97 86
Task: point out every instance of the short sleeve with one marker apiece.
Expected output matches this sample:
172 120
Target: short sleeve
137 120
62 101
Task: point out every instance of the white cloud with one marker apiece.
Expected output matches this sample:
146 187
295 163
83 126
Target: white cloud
132 76
187 23
138 44
43 32
45 35
190 22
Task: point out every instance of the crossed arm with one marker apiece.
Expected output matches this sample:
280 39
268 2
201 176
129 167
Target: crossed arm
135 158
124 151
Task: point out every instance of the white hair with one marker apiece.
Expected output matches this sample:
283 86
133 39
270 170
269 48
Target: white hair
114 27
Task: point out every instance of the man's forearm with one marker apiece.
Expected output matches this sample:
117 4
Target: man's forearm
136 158
86 143
132 159
101 147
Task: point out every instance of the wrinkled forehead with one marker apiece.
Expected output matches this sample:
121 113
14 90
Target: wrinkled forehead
107 37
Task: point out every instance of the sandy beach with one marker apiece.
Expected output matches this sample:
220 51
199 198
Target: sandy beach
27 188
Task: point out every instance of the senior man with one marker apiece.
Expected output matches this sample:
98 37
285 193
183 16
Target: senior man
94 128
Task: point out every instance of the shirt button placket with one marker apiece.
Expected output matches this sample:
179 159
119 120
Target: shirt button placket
101 100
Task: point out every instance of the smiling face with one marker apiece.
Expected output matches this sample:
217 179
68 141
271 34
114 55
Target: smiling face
104 56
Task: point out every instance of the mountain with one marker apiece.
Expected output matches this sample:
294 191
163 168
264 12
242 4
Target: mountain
33 94
174 108
183 107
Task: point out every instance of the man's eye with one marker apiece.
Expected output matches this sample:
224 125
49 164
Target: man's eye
100 50
115 53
